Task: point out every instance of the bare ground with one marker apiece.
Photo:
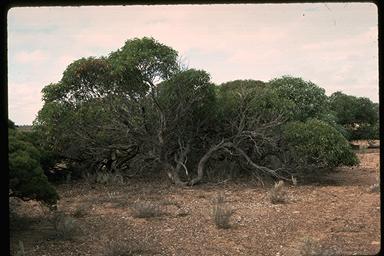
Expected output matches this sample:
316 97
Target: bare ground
340 213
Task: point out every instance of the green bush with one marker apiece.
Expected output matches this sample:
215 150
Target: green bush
26 177
317 143
48 159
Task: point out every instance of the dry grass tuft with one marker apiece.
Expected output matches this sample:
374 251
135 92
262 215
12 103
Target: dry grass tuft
182 212
221 212
311 247
168 202
65 226
107 178
219 199
294 181
375 188
277 194
146 209
20 250
125 248
81 211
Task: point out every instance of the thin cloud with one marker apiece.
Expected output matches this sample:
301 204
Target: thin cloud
31 57
24 102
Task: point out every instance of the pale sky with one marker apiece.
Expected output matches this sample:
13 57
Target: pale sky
334 45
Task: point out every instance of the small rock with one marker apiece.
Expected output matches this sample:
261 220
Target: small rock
375 242
169 229
296 212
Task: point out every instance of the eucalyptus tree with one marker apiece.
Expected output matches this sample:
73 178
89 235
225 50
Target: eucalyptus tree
138 109
108 103
135 106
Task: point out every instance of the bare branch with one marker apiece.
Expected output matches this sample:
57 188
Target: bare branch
258 167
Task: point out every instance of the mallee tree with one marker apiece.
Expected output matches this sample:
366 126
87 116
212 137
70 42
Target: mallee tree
137 110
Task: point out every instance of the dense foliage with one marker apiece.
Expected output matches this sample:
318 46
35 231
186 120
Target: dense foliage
317 143
26 176
137 111
309 99
358 116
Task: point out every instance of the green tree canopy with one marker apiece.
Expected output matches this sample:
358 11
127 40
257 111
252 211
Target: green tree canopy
359 116
309 99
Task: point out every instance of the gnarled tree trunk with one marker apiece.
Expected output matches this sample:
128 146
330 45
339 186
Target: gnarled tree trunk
173 172
204 159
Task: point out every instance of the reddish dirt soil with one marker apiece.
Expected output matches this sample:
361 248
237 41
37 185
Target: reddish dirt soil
340 213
